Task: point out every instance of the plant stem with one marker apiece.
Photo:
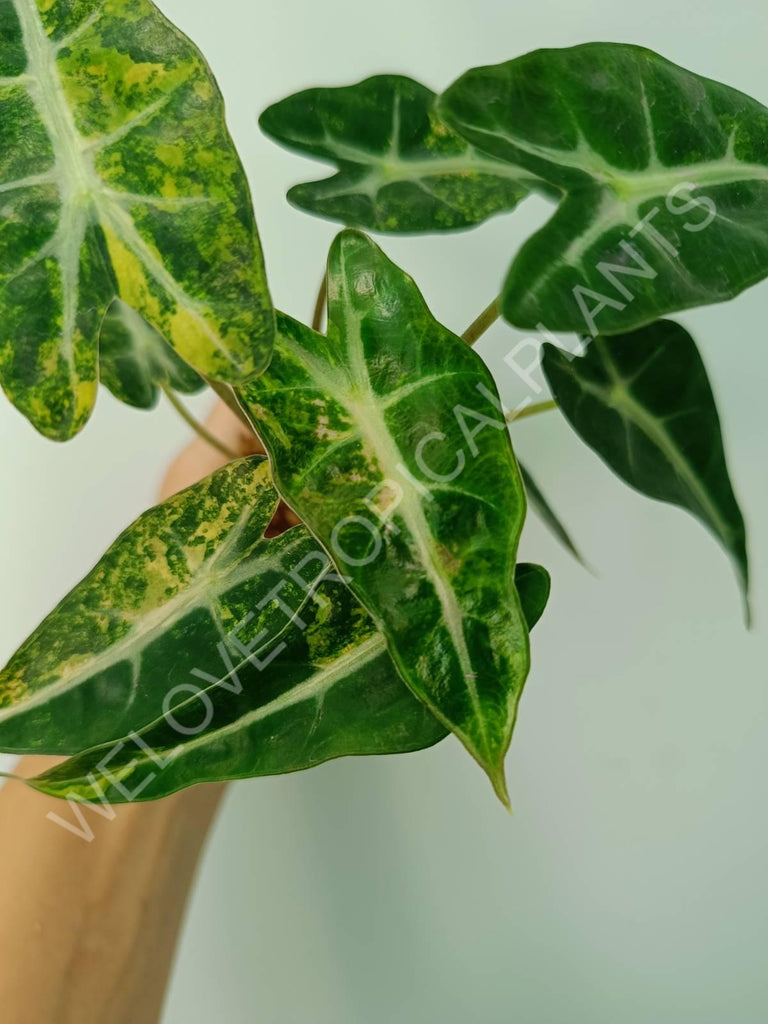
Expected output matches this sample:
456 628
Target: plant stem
317 316
531 410
198 427
487 318
227 394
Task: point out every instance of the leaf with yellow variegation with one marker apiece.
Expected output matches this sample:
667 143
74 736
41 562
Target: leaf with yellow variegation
118 178
387 439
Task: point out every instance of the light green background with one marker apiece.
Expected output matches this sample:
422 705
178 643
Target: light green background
629 886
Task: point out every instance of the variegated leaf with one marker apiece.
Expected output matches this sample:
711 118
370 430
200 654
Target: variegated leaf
135 362
117 178
663 175
400 168
643 401
138 629
333 691
387 439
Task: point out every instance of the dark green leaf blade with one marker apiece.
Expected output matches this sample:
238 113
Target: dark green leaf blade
152 612
388 440
534 587
400 169
537 499
135 362
118 178
332 692
664 176
643 402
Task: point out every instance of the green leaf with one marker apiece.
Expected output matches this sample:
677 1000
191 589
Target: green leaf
400 167
117 179
153 611
663 175
333 691
643 402
136 362
549 517
387 439
533 587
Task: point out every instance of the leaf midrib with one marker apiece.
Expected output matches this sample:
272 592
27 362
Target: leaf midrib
81 189
76 180
390 165
627 183
613 210
620 398
201 593
373 429
319 684
323 680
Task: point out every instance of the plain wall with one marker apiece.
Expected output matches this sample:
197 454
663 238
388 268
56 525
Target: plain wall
629 886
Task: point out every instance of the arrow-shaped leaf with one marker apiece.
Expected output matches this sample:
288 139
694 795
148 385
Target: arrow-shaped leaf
138 630
117 179
136 362
332 692
400 168
387 439
644 403
664 176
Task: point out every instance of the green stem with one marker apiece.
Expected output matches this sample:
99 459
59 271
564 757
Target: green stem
317 316
227 394
198 427
487 318
531 410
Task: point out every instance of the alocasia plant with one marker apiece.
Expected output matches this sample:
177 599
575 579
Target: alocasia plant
205 647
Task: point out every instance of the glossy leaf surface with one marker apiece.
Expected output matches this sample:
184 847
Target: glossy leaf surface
663 174
135 361
388 440
153 611
117 178
331 691
400 168
644 403
533 587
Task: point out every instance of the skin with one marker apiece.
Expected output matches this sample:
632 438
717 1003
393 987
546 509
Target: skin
88 930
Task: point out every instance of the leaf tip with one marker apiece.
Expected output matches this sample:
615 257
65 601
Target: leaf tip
353 239
747 606
741 562
499 782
